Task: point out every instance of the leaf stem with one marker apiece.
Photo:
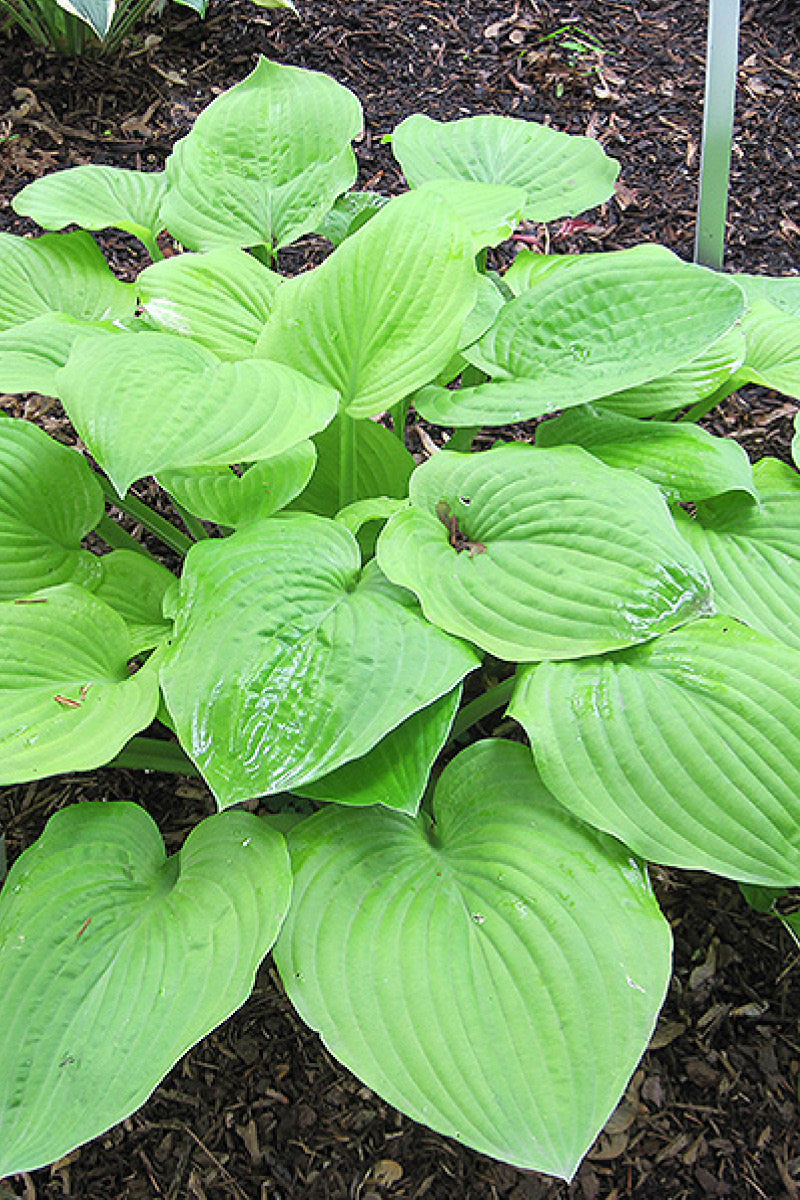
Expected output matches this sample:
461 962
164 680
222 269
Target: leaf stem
461 439
151 754
348 486
118 538
699 410
140 512
195 527
488 702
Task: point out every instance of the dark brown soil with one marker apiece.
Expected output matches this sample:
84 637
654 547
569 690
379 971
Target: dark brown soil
259 1110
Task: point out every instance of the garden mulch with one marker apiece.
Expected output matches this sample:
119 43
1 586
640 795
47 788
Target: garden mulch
259 1110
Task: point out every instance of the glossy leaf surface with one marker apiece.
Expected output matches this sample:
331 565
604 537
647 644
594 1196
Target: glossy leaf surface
395 772
457 970
146 402
552 554
560 174
383 314
69 702
687 748
114 960
264 162
32 353
49 499
289 661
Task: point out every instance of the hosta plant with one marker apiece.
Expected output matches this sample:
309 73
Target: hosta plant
73 26
466 920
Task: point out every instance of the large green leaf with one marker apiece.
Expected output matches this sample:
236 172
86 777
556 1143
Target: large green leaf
69 702
59 272
49 499
115 959
32 353
289 661
772 330
147 402
383 468
383 314
588 330
687 747
686 462
561 175
220 494
495 973
535 553
264 162
752 552
395 772
96 197
135 586
221 299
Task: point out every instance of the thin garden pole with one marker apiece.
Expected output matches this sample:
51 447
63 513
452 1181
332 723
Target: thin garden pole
715 163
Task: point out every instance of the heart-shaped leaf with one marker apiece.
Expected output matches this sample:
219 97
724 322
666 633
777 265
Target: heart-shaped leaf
69 702
220 494
221 299
264 162
383 314
135 585
203 412
587 331
59 272
686 462
49 499
687 747
289 661
535 553
394 773
752 552
115 959
560 174
96 197
495 974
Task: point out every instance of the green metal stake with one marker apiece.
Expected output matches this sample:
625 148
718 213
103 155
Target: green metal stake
715 162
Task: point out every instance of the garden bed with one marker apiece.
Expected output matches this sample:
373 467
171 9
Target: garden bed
260 1110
